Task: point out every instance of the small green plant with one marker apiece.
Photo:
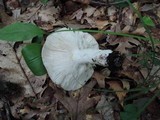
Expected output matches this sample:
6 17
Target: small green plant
31 52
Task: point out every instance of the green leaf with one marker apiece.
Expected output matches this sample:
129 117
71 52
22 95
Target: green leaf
20 32
148 21
130 112
32 56
37 39
121 3
156 62
44 1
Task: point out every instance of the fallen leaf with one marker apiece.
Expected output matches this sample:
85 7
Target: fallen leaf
100 24
75 24
126 84
30 14
78 107
77 15
5 19
100 12
132 71
89 11
123 43
129 17
112 13
104 107
100 79
90 21
16 13
49 14
147 7
139 31
10 64
93 117
118 88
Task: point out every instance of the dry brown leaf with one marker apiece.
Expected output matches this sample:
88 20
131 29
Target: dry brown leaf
123 43
139 31
129 17
77 107
100 24
89 11
90 21
144 72
158 12
49 14
12 4
74 24
69 7
114 28
131 71
77 14
126 85
100 79
93 117
112 13
104 107
147 7
30 14
118 88
5 19
99 36
100 13
126 29
13 71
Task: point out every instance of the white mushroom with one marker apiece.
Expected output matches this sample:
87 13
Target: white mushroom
69 57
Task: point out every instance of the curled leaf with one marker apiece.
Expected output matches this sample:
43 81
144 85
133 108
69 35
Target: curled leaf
32 56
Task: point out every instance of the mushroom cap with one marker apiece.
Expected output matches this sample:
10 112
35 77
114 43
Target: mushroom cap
57 56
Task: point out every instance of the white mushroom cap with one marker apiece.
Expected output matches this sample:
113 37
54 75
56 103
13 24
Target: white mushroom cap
69 57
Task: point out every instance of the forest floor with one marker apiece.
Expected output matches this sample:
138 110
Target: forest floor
127 90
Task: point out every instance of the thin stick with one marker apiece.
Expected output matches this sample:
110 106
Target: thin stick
24 73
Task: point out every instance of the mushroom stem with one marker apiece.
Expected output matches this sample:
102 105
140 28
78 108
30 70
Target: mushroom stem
91 56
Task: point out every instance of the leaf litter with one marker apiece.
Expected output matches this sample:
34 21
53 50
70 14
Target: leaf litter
41 99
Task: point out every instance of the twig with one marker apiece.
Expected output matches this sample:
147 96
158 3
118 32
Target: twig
35 12
24 73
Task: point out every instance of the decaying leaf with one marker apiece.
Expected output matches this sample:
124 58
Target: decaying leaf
104 107
118 88
78 106
89 11
77 15
101 23
100 12
12 70
100 79
129 17
111 13
123 43
49 14
30 14
92 16
132 72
